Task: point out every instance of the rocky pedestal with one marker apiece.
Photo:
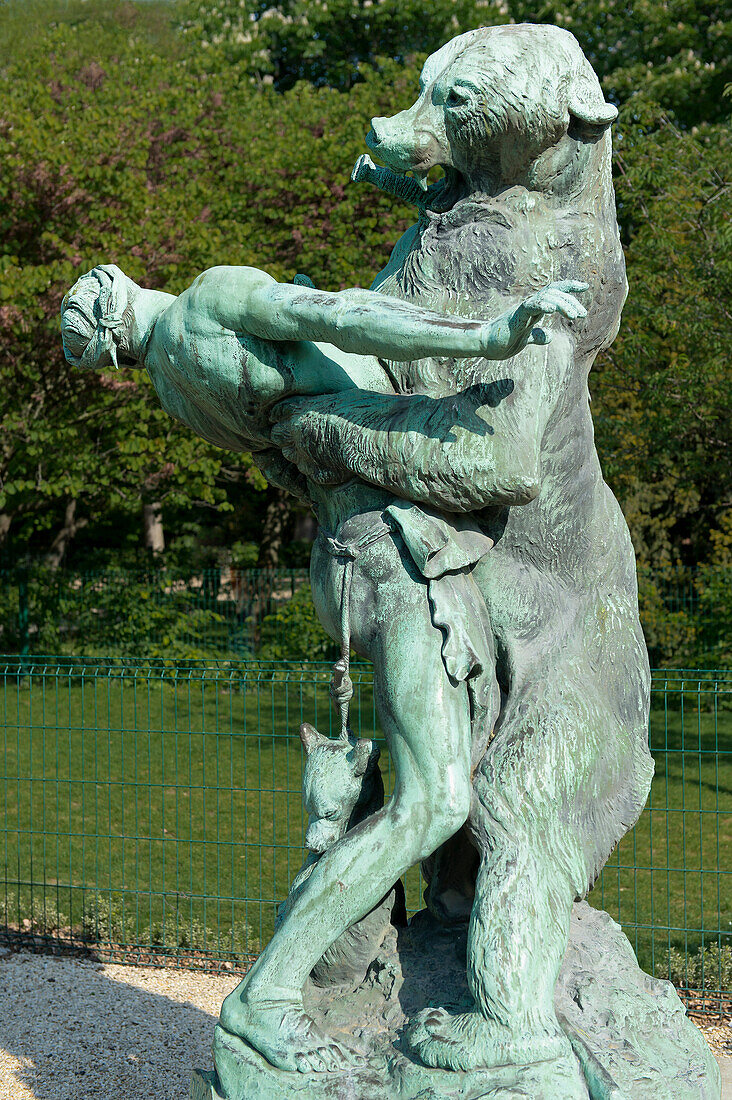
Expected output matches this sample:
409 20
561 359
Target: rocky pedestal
629 1032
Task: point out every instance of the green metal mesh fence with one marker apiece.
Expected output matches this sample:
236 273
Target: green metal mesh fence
153 809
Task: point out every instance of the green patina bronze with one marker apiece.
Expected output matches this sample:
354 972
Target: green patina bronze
439 424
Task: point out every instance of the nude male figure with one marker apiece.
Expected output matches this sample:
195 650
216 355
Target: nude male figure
221 356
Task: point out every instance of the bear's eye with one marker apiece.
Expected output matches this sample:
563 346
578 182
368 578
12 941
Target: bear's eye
457 97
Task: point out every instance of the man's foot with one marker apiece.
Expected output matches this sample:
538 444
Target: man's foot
281 1031
469 1041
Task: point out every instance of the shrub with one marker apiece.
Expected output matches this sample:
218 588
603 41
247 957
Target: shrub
709 968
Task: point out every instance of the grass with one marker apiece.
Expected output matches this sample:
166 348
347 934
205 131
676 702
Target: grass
177 801
163 806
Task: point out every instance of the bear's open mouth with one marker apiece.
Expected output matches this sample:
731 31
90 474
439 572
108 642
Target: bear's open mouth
438 196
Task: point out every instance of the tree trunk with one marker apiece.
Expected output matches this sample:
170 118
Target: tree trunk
71 525
5 521
152 521
306 527
276 524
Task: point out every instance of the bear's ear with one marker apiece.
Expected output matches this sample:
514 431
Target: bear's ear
310 737
365 756
586 102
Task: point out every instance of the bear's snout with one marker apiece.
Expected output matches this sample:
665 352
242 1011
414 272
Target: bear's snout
373 137
322 835
411 140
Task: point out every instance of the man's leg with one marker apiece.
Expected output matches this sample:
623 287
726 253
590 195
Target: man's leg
426 721
533 865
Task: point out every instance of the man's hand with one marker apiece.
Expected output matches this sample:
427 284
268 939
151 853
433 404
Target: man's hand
513 331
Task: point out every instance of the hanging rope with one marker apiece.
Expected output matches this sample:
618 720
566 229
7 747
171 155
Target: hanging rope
341 685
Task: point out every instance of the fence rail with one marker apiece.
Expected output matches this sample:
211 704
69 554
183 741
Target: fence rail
153 809
244 614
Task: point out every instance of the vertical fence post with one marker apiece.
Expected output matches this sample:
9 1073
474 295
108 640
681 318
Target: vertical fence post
23 625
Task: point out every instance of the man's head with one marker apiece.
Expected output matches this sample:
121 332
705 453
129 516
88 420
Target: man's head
94 318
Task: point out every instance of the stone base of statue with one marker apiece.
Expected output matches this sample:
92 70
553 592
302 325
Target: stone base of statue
629 1032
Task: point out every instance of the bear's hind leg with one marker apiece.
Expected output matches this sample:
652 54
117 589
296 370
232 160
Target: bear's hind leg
518 935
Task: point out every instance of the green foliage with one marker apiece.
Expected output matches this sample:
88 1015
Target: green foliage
670 631
115 919
673 53
106 159
686 616
93 130
127 140
293 632
174 614
106 919
119 613
708 968
661 402
715 605
326 43
662 399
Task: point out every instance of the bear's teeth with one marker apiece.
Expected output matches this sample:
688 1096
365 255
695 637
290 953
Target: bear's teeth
363 168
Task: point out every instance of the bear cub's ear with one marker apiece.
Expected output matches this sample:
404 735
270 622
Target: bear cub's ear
311 738
364 756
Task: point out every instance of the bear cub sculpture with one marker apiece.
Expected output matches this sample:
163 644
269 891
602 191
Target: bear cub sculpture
342 786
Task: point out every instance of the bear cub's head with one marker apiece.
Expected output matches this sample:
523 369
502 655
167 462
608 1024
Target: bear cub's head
342 785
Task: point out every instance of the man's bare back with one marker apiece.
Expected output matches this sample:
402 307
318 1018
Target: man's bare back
230 374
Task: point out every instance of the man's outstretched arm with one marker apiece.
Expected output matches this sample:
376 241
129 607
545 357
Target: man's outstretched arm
368 323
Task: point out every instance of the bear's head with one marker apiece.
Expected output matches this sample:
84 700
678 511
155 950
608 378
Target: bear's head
495 109
341 785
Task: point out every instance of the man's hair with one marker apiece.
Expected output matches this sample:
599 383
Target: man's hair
92 318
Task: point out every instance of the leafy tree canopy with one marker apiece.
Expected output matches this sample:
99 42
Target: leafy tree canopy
170 137
675 52
326 42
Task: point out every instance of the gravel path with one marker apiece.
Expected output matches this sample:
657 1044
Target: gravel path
77 1030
